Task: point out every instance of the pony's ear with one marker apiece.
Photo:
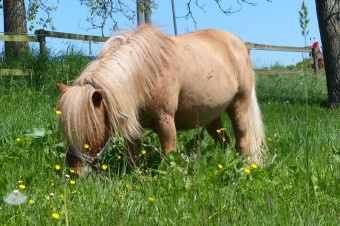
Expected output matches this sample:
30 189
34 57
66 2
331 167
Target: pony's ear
97 98
62 88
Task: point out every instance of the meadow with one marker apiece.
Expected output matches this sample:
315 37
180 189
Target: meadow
298 184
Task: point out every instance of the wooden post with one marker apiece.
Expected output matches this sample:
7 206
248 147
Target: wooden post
41 38
315 60
174 16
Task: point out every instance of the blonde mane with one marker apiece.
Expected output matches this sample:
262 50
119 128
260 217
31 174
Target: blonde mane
125 71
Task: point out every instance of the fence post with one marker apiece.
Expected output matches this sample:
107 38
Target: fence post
42 40
315 60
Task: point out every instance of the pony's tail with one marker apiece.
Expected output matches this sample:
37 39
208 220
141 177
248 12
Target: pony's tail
255 129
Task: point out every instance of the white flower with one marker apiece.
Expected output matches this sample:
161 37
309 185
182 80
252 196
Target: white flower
15 198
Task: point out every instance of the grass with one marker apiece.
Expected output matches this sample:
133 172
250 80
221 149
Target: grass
191 191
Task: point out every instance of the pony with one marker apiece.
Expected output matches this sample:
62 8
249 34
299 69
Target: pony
146 79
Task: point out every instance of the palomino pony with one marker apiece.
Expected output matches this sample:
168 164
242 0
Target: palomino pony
146 79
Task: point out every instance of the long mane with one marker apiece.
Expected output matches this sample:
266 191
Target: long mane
125 71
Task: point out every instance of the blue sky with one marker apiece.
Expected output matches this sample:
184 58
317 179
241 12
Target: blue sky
272 23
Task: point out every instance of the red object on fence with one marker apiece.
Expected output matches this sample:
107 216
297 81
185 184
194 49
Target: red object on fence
319 54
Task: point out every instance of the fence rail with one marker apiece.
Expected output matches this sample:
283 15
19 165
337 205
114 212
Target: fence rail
40 36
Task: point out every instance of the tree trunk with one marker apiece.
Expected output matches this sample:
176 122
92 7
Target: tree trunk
15 23
140 12
147 11
328 12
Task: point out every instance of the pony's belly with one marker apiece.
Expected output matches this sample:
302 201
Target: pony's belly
190 115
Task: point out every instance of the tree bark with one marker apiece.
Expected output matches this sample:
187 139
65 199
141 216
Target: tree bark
328 12
15 23
147 11
140 12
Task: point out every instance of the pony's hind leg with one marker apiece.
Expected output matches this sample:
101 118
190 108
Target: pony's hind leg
216 131
238 113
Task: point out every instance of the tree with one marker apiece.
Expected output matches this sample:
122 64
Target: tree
328 12
15 23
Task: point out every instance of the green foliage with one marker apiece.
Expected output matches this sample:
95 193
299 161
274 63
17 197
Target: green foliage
201 184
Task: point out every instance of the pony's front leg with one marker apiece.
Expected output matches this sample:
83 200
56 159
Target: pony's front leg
134 148
166 131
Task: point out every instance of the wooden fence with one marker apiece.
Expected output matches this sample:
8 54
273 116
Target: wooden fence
40 36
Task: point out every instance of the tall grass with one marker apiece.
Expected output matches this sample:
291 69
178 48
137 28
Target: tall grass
201 185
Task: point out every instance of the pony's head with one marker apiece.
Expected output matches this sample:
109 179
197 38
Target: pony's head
84 122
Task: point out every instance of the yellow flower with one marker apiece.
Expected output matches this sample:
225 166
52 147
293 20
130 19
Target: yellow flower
146 178
55 215
220 166
218 131
74 191
268 138
120 196
58 112
72 171
86 146
119 157
61 196
254 166
31 201
18 139
62 212
20 181
128 186
247 169
143 152
104 167
48 198
22 186
57 167
256 138
222 129
72 181
152 199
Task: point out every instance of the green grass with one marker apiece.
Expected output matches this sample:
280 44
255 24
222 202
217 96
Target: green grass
191 191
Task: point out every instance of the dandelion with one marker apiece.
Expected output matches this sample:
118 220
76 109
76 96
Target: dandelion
128 186
31 201
222 129
15 198
55 215
254 166
220 166
58 112
104 167
119 157
268 138
152 199
218 131
57 167
18 139
247 169
62 212
72 171
143 152
72 181
20 181
256 138
21 186
120 196
86 146
48 198
61 196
